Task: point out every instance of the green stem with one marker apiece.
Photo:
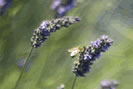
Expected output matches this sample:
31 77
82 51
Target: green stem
74 81
26 61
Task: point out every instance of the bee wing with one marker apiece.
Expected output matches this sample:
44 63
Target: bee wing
74 51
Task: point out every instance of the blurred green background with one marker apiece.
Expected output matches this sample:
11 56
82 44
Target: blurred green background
51 64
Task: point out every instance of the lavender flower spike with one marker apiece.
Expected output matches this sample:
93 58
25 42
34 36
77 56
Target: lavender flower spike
43 31
90 54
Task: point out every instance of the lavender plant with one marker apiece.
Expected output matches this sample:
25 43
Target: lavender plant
88 54
42 32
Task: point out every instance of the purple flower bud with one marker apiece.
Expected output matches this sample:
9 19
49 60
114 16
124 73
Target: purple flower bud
97 56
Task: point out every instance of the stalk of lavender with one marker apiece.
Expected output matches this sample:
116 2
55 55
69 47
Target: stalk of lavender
26 62
74 82
89 55
46 27
42 32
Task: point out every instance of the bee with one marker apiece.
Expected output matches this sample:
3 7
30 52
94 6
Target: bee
74 51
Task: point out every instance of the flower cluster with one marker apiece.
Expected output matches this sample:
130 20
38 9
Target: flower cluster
43 31
3 5
60 8
90 54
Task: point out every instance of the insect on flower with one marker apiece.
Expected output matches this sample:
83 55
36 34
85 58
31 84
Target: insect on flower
88 54
75 51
